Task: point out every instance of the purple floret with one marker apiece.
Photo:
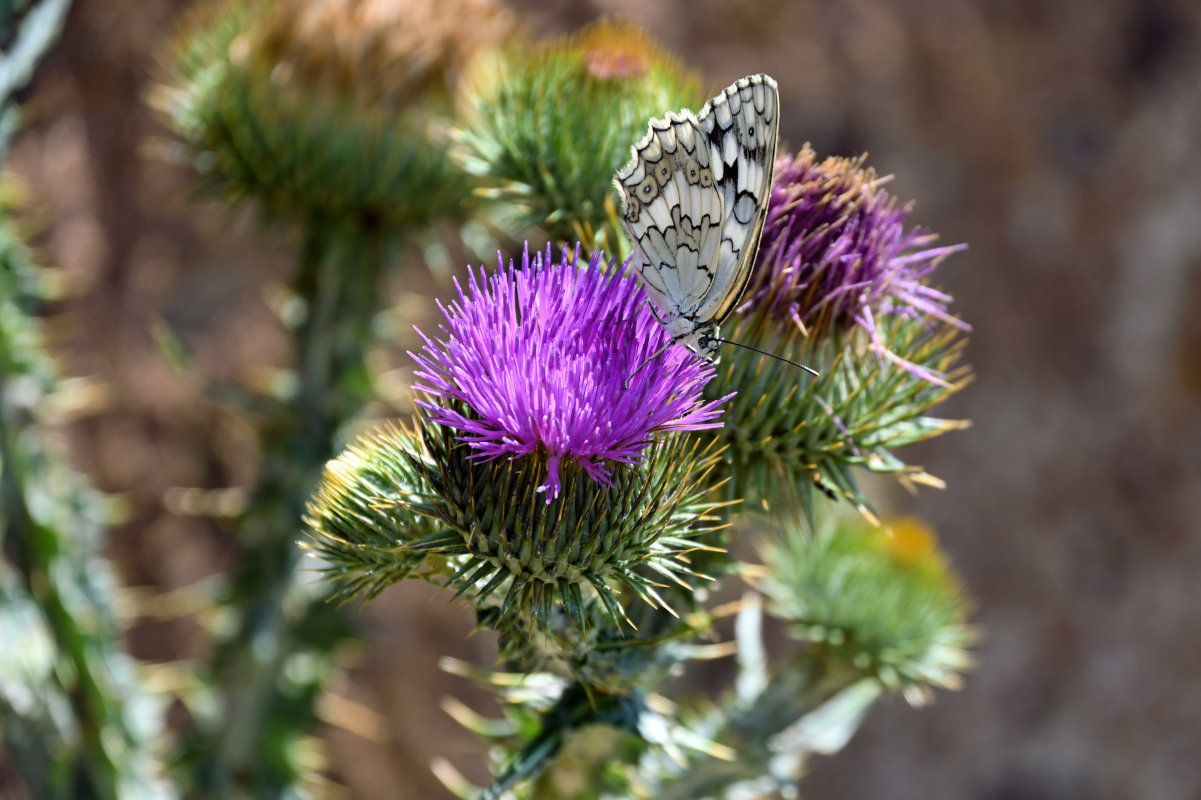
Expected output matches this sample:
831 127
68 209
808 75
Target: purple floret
835 254
541 354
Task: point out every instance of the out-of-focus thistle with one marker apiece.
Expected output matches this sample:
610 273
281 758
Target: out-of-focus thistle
332 117
548 483
559 120
333 111
879 600
839 284
877 608
75 717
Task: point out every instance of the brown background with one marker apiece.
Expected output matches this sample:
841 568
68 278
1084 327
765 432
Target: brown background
1060 139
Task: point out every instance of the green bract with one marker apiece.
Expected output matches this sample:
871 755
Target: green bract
403 502
789 433
360 519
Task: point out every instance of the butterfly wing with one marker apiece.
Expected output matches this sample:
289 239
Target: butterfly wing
673 212
742 126
694 202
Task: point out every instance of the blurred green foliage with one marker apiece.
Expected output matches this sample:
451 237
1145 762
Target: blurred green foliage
74 712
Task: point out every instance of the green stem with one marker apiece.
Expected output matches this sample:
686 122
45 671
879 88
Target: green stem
246 751
803 685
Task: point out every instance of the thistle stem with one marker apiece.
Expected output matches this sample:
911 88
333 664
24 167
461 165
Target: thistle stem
803 685
278 618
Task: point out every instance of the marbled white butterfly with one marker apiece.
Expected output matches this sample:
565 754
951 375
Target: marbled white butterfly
695 197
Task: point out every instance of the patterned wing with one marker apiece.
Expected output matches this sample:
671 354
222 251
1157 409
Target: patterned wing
741 125
673 211
695 197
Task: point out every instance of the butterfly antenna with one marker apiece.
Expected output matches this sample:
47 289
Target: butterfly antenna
810 370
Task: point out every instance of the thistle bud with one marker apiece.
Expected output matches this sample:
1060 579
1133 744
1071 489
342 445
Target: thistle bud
882 601
559 121
360 518
333 110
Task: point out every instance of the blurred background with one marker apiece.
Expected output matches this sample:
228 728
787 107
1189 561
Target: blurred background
1060 139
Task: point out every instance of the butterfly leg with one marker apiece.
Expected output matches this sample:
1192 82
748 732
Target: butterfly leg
657 353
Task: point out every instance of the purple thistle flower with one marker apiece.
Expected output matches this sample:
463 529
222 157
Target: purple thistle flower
835 254
540 356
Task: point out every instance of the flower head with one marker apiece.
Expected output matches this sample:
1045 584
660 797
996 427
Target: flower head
836 254
557 120
883 601
333 111
840 284
552 359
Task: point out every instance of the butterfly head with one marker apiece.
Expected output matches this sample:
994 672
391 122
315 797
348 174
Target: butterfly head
701 338
707 343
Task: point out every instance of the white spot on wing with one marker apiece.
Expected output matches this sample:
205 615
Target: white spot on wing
721 113
729 148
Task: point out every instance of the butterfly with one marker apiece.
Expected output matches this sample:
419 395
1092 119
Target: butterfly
694 198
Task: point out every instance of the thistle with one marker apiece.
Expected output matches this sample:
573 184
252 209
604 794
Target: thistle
330 117
548 481
877 608
360 519
835 255
331 111
550 132
842 285
536 356
879 600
